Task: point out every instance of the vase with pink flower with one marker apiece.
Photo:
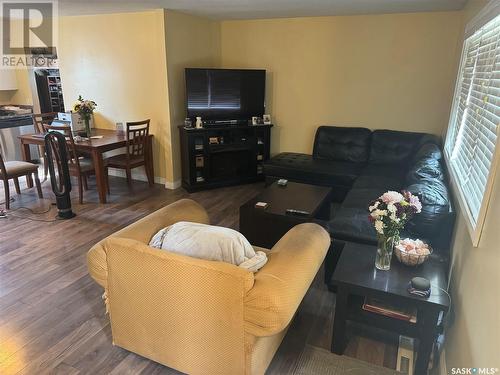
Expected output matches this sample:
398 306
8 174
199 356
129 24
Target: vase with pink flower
389 214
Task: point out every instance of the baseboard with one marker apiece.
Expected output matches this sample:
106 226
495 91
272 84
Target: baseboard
173 185
136 175
405 355
442 363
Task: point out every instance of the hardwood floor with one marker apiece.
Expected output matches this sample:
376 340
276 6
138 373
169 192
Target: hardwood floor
52 318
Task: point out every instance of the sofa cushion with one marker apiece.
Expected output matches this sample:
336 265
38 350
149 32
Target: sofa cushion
380 176
302 167
373 182
429 138
380 170
427 168
393 147
362 197
342 144
431 191
352 224
436 208
428 151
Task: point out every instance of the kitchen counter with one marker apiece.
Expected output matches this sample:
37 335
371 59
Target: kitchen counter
10 119
12 125
14 121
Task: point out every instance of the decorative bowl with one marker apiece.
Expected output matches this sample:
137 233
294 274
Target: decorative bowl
412 258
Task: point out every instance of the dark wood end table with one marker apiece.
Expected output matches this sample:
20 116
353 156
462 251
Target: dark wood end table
357 278
264 227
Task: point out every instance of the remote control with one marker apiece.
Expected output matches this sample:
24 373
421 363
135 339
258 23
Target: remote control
291 211
282 182
261 205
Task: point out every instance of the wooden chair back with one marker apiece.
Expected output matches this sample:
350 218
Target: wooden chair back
73 160
40 119
3 170
137 138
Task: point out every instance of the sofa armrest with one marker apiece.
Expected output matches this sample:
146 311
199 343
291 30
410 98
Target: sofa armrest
143 229
281 284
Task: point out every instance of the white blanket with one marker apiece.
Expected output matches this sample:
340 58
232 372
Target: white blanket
209 242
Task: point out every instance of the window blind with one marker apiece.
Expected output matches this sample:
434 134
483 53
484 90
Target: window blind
474 121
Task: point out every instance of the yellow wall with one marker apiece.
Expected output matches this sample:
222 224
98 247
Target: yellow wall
6 97
132 65
393 71
119 61
473 338
191 42
23 93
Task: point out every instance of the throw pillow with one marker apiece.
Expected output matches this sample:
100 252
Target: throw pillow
209 242
426 168
428 150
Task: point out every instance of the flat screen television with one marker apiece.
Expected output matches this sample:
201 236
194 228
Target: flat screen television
225 94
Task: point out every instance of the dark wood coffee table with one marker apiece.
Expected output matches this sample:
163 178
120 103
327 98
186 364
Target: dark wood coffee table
356 277
264 227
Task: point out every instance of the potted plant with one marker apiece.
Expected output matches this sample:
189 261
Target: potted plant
85 108
389 214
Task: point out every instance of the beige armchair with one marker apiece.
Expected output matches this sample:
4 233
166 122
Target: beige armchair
198 316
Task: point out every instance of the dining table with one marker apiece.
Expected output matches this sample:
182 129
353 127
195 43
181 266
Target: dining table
101 141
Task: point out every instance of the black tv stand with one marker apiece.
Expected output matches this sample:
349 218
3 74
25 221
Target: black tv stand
215 123
222 155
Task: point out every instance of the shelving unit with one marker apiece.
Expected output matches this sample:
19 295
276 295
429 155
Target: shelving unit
55 91
222 156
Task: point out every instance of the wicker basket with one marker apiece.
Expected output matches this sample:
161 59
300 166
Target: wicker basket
411 259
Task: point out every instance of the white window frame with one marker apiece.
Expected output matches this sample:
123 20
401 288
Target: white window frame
475 227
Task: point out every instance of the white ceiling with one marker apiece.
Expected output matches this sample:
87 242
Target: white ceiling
248 9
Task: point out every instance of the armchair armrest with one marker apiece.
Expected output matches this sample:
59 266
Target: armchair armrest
281 284
143 230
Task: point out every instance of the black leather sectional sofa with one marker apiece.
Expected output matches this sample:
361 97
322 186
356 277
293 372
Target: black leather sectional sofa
360 165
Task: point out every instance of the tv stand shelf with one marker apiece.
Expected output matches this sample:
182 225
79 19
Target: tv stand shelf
217 156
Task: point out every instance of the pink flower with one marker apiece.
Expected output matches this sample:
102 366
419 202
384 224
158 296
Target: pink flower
391 197
415 202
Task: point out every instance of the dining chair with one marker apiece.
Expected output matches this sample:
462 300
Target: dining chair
136 152
38 120
79 166
12 170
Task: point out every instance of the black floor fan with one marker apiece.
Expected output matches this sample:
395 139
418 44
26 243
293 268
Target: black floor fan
55 149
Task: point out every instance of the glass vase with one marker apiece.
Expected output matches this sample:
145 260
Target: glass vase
385 247
87 127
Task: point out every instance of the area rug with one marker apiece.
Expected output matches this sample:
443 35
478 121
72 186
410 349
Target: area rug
317 361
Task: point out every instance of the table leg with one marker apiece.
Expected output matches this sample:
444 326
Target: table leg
25 149
149 164
427 340
339 321
99 174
